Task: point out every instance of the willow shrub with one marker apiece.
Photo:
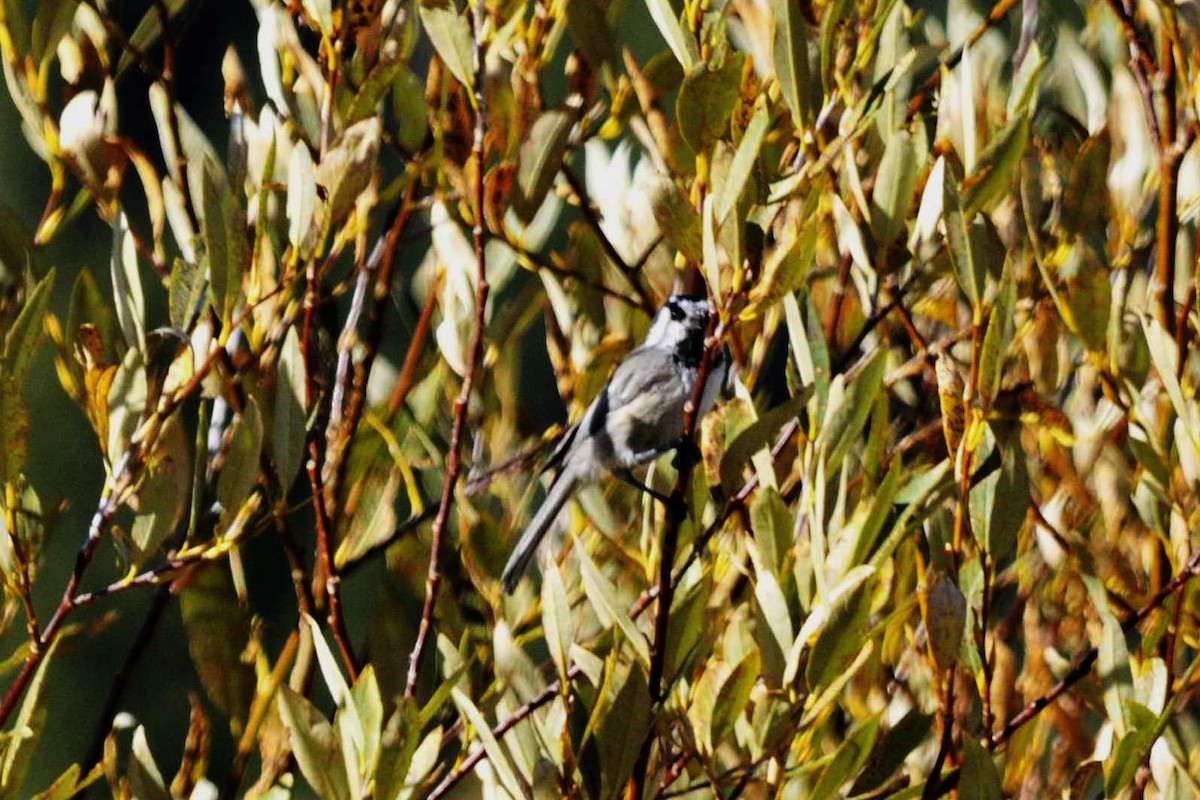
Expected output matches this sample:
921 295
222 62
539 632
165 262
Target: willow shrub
939 536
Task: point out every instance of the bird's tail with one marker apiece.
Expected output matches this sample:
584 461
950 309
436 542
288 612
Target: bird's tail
560 492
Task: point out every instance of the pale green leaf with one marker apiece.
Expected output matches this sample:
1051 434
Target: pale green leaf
451 37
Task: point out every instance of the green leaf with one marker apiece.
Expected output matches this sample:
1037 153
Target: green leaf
127 285
301 201
996 167
496 755
163 494
756 436
541 157
733 694
743 160
680 41
967 268
314 744
148 31
451 37
198 154
89 307
225 242
27 729
557 620
705 103
126 402
290 420
218 632
184 291
51 24
1132 749
678 221
980 779
346 169
996 341
409 109
71 784
773 525
890 752
372 90
1088 296
145 781
835 645
791 61
368 703
620 735
240 474
404 758
1000 501
844 420
374 520
592 34
847 760
787 264
22 339
1087 188
610 610
895 182
773 625
689 635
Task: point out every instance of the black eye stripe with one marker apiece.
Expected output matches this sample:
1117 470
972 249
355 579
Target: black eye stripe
677 312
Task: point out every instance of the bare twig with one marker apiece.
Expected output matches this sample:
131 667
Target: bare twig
1167 225
921 96
474 358
258 713
686 459
592 218
116 691
124 477
416 344
346 406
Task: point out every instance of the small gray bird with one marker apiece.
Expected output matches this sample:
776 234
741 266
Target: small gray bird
636 417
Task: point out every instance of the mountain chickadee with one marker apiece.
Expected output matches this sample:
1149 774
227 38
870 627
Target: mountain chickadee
636 417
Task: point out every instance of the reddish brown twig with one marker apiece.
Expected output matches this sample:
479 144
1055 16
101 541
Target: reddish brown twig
686 459
999 11
475 356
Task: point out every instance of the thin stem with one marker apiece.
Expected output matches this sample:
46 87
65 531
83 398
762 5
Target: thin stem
258 713
995 16
1167 227
475 357
686 460
346 406
592 218
116 691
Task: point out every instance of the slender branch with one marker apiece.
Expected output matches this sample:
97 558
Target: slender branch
167 78
416 345
326 572
345 412
475 357
947 740
124 477
116 692
921 96
685 461
24 584
258 713
1167 226
592 218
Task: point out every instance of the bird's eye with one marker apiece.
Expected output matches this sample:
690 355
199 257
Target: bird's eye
677 312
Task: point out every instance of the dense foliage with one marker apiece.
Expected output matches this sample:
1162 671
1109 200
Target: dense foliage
938 538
